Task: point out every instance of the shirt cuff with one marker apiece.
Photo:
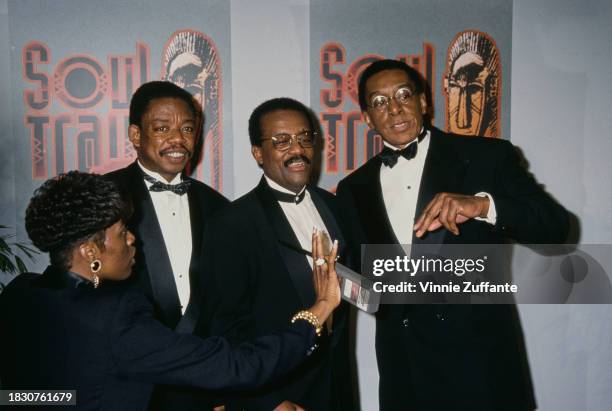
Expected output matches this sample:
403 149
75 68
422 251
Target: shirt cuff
491 217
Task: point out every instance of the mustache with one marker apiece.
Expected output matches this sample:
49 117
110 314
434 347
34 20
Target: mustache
295 159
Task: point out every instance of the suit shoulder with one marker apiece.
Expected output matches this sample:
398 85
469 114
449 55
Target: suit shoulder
120 174
236 210
20 282
324 194
25 277
486 152
116 174
209 193
474 143
124 180
362 174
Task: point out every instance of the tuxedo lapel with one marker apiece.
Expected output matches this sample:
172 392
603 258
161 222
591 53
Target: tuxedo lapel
372 211
444 171
196 213
151 240
295 262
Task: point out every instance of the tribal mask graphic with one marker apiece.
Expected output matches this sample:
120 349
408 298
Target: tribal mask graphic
472 85
190 61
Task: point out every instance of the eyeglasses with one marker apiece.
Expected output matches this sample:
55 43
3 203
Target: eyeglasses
283 141
381 102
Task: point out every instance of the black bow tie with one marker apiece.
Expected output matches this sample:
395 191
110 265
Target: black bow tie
288 198
390 156
157 186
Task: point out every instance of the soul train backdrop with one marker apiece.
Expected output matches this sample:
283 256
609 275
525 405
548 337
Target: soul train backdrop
68 70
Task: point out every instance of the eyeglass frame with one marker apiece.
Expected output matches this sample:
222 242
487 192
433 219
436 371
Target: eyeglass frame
394 97
293 137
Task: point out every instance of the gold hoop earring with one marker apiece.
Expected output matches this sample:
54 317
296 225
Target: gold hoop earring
95 266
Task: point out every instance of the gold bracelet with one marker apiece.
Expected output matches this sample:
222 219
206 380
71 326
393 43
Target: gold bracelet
309 317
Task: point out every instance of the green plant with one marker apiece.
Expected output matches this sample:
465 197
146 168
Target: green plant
10 260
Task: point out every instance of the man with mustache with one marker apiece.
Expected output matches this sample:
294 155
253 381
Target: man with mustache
170 212
430 187
263 233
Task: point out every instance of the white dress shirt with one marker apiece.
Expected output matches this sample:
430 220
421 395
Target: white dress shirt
303 217
172 212
400 190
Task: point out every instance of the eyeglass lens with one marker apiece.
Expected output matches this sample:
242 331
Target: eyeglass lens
402 96
284 141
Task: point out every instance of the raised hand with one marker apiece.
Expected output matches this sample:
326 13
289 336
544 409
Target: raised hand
325 280
449 209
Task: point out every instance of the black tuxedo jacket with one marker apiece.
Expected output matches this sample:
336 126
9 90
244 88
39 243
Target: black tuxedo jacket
439 357
152 272
259 281
59 333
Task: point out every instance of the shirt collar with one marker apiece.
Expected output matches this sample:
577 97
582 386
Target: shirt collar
280 188
56 278
177 179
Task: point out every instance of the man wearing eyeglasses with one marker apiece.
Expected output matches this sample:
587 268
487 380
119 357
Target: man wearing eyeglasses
430 187
266 235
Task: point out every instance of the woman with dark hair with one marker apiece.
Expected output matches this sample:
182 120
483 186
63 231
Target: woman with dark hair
72 328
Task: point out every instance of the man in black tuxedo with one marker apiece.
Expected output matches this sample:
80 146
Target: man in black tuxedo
430 187
170 212
263 234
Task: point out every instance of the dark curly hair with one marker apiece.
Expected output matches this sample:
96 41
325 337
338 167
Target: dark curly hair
71 208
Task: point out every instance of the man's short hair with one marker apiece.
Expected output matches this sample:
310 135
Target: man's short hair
276 104
154 90
387 64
